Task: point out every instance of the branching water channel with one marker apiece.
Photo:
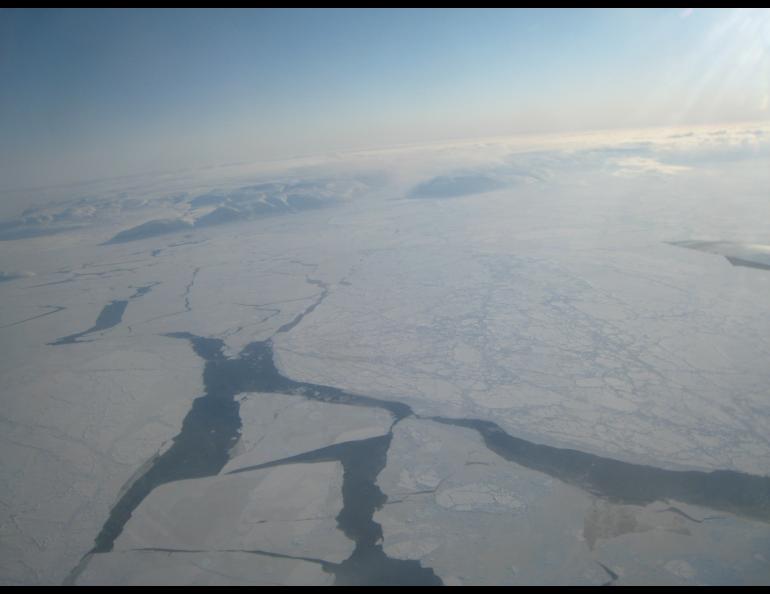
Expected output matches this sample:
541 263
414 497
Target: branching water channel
212 427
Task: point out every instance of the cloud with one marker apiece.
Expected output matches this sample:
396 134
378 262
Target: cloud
173 202
645 166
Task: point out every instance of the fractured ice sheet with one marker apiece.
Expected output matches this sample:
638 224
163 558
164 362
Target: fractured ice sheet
277 426
555 309
448 495
288 510
610 352
671 543
78 434
167 568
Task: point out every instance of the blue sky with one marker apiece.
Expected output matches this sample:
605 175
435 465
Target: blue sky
87 94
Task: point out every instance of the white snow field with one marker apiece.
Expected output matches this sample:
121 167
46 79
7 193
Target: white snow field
280 373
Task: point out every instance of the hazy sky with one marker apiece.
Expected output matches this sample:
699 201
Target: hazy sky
88 94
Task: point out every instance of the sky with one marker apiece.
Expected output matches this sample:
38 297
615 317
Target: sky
88 94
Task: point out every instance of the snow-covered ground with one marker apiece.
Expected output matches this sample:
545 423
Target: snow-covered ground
539 283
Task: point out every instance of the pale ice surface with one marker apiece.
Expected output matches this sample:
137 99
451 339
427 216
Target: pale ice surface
288 510
547 296
153 568
277 427
477 519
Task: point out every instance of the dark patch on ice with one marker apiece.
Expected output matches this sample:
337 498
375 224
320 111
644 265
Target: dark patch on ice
110 316
362 462
9 276
151 229
613 576
446 186
218 216
104 273
60 282
210 199
78 275
188 289
54 309
254 370
122 262
212 428
188 242
325 291
325 564
141 291
200 449
679 512
624 482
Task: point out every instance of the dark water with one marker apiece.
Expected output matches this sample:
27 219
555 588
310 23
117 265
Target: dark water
141 291
325 291
212 428
200 449
726 490
362 462
110 316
